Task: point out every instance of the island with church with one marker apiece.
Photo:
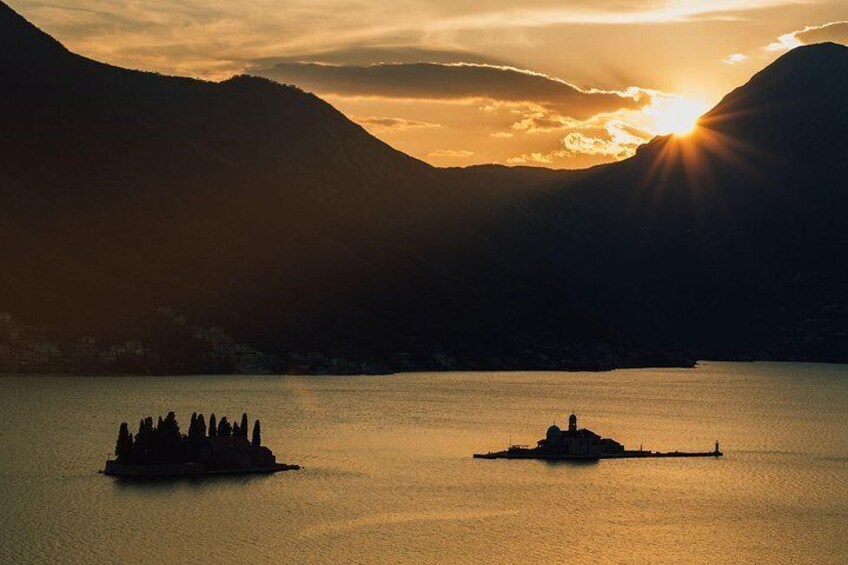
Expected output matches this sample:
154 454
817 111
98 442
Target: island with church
582 444
221 448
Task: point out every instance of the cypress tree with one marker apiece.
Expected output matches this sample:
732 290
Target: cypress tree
124 445
213 426
243 426
257 437
192 427
143 437
225 429
169 429
201 426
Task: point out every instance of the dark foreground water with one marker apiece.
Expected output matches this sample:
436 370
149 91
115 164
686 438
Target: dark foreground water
388 474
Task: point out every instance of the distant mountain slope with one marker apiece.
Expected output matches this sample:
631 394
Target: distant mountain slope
260 209
155 223
731 241
795 105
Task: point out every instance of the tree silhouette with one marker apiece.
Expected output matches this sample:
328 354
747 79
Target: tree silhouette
225 429
169 429
257 435
144 437
124 445
192 427
201 427
243 426
164 444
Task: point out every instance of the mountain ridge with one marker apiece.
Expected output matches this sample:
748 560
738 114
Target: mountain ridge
728 236
292 240
260 210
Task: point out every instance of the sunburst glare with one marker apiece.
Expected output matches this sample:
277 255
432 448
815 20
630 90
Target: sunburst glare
675 114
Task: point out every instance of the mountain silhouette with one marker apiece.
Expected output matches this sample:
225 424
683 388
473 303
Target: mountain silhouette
257 208
260 209
727 241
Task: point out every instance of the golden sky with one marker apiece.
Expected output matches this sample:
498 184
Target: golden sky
559 83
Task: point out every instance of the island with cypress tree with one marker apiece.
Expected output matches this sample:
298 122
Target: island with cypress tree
221 448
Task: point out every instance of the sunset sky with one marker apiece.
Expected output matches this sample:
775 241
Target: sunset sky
559 83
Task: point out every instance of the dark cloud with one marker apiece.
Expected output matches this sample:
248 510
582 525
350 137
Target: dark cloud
365 55
451 153
834 31
383 124
434 81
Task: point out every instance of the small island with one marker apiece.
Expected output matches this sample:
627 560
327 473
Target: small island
221 448
576 444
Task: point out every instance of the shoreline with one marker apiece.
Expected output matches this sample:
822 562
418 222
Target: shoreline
624 455
699 363
399 371
178 470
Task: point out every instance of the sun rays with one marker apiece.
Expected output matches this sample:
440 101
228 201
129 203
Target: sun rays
687 167
674 115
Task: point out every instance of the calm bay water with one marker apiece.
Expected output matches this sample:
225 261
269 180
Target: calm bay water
388 474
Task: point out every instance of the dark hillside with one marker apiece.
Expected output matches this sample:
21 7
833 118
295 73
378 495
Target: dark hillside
257 208
729 242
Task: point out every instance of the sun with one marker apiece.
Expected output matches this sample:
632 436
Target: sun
675 115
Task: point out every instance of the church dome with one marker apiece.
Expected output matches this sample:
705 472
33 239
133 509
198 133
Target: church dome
554 435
